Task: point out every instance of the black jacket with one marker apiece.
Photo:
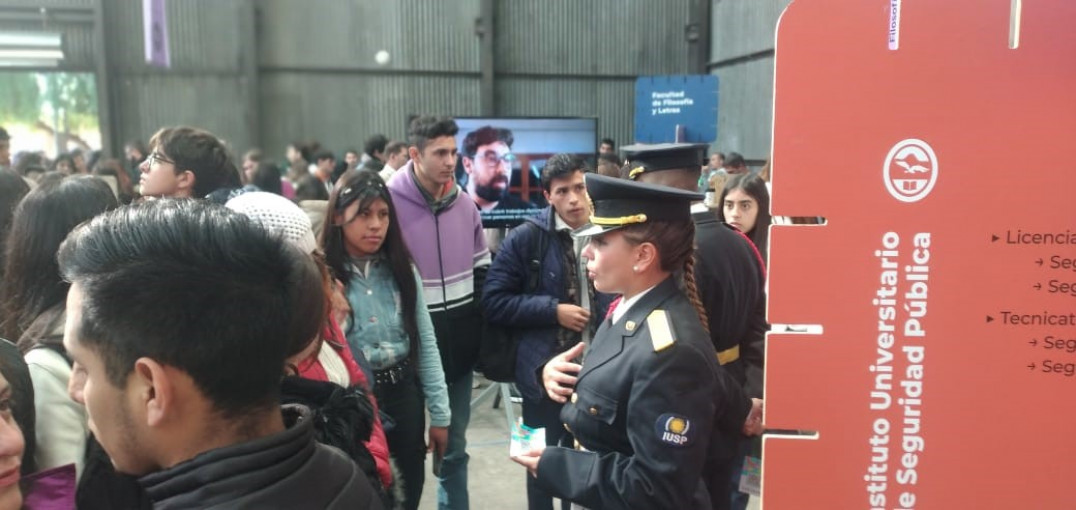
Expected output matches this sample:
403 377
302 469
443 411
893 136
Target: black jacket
283 471
343 418
372 165
644 407
731 280
532 314
731 283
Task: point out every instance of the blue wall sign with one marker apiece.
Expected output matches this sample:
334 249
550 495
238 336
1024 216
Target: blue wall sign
664 102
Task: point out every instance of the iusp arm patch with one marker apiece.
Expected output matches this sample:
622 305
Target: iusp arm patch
674 430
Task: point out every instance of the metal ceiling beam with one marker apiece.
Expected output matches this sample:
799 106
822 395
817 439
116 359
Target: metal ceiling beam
106 116
485 29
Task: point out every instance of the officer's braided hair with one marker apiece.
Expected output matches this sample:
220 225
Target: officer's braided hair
676 248
693 291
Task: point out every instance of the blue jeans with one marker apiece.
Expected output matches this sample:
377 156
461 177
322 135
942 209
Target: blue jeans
452 490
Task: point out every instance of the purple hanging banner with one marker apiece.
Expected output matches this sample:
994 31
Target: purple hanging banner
155 28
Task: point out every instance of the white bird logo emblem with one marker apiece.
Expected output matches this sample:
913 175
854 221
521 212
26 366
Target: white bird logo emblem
912 168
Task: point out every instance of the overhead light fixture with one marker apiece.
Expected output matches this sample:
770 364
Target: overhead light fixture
22 62
31 49
51 40
31 54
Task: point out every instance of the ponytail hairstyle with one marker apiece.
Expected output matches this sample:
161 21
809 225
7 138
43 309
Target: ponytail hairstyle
676 251
365 187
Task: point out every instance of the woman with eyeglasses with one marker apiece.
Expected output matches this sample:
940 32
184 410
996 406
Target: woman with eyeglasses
389 322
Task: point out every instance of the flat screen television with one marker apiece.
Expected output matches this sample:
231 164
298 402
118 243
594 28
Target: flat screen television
501 161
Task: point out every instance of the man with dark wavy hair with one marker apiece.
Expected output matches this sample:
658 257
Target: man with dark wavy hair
488 161
538 289
186 162
180 317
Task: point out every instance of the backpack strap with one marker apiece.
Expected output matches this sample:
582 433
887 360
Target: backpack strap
538 246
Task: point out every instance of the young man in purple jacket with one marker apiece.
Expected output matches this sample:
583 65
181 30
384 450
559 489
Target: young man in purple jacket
444 233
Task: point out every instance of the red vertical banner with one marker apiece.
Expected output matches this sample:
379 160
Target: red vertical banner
935 138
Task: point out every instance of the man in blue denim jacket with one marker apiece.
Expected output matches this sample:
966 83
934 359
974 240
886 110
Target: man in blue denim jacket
563 310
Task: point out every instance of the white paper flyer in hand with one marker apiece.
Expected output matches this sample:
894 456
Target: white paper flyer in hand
523 437
751 476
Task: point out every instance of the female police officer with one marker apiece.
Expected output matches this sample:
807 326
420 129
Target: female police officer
643 402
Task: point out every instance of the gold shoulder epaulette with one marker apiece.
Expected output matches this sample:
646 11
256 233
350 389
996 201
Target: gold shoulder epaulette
660 330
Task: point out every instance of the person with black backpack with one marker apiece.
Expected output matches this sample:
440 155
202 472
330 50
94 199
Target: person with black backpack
537 293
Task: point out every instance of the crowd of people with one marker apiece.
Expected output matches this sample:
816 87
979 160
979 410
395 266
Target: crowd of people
191 330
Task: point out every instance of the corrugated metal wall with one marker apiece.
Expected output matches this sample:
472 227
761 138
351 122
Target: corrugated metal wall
595 37
319 80
611 100
341 110
146 102
741 54
317 77
419 34
205 86
202 36
571 58
268 72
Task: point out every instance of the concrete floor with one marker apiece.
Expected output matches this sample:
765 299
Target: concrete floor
495 482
